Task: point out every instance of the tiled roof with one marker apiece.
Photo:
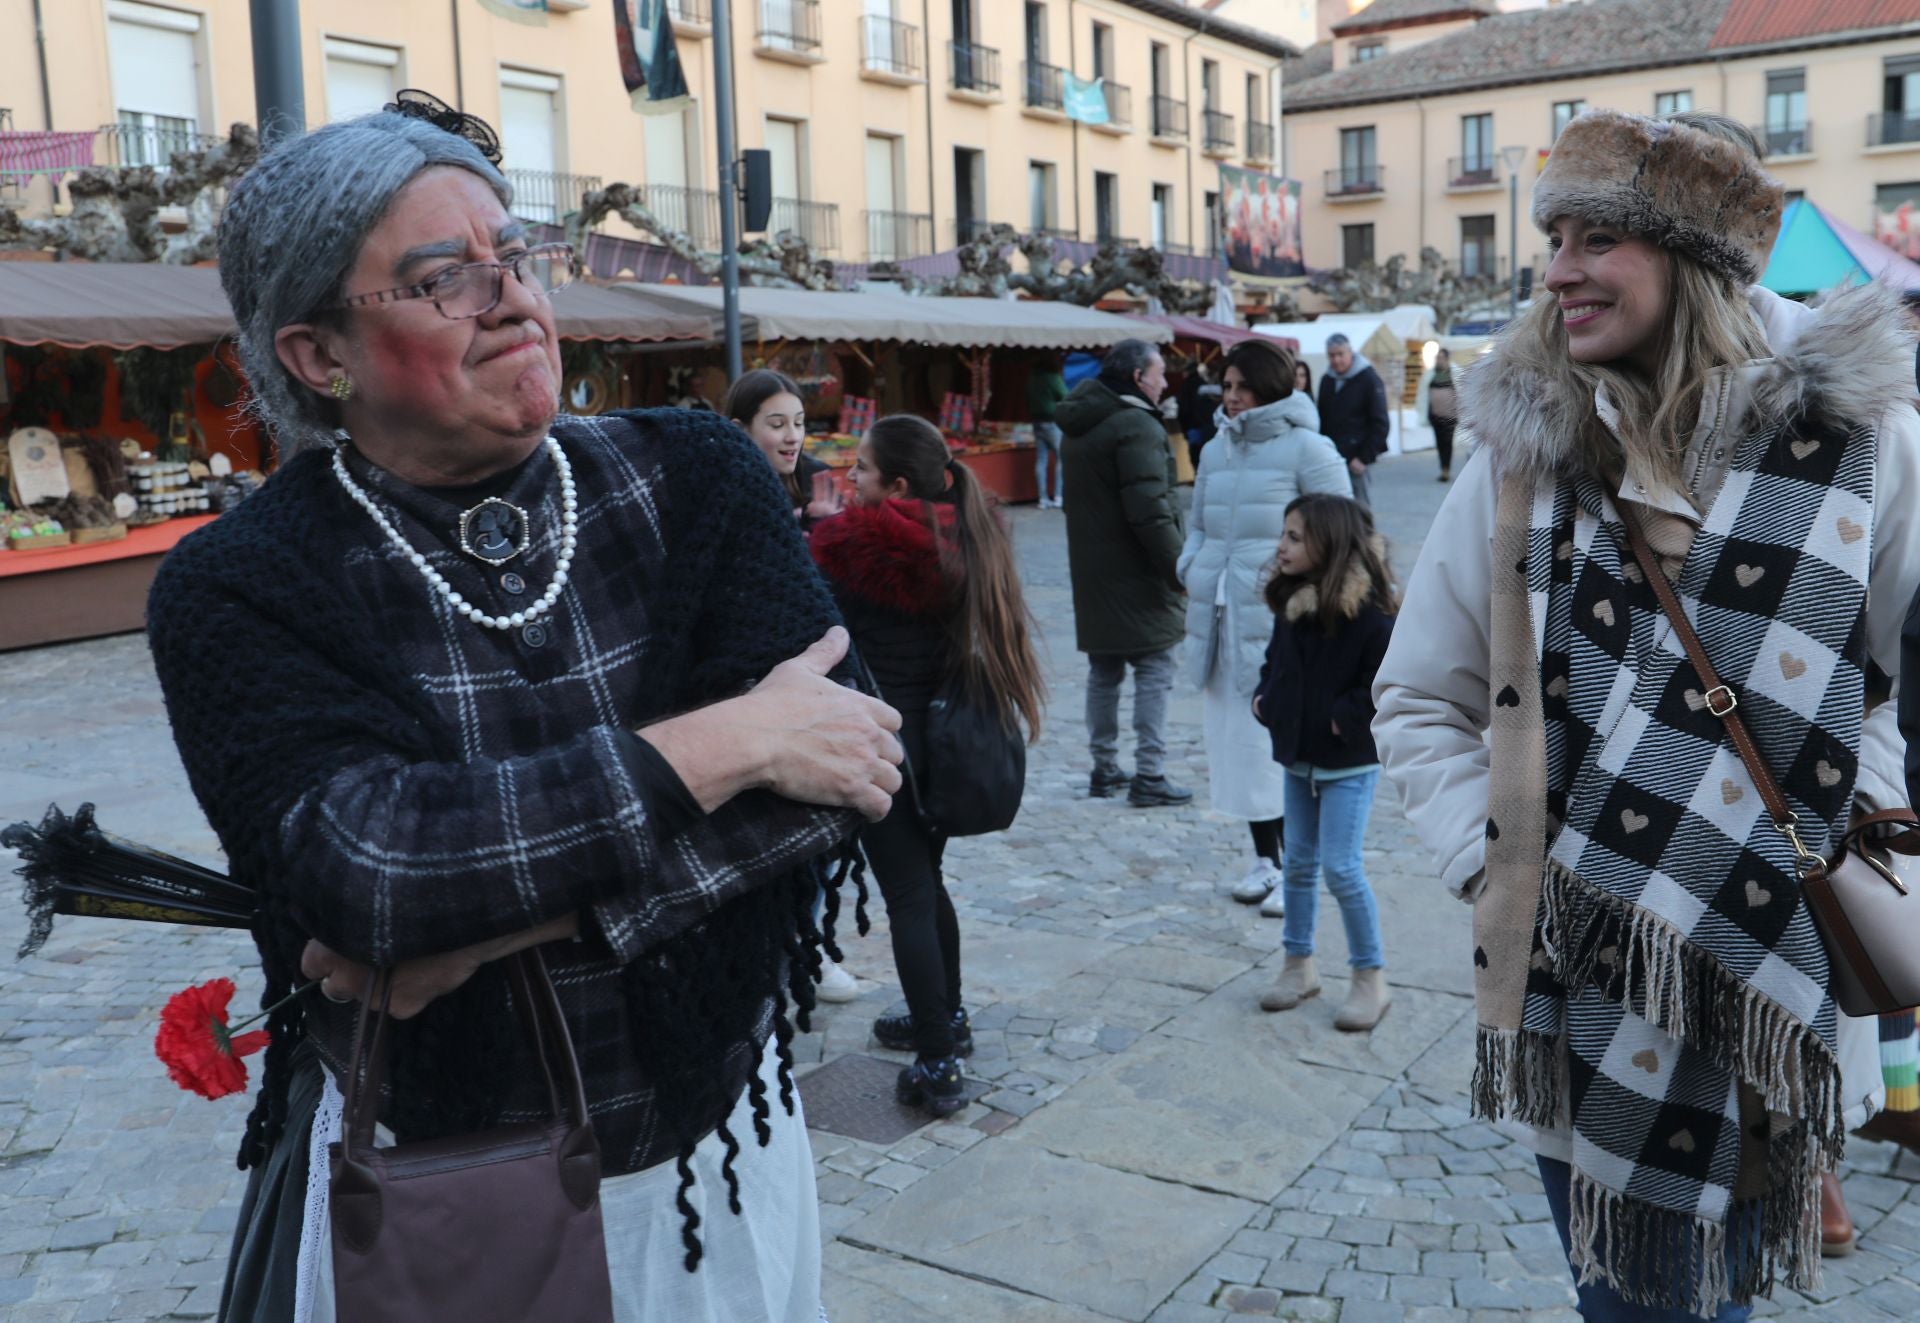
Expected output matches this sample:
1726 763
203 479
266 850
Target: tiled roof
1764 22
1314 61
1200 20
1529 46
1404 13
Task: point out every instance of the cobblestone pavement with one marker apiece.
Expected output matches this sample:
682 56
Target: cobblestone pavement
1150 1145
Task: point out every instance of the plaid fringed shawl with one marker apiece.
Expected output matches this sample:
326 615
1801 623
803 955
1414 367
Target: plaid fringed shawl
1657 985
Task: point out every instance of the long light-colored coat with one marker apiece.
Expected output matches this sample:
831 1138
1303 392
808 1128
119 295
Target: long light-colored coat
1249 473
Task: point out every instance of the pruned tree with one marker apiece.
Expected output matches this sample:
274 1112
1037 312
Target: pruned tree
986 269
1375 288
116 215
785 261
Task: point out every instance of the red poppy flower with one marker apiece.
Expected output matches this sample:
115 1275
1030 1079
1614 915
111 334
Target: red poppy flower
201 1052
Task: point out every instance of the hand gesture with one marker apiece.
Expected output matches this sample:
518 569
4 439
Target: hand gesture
828 499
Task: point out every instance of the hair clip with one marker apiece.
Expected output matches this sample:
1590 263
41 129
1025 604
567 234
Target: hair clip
415 104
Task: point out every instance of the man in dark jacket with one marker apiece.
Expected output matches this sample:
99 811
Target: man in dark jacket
1123 543
1353 411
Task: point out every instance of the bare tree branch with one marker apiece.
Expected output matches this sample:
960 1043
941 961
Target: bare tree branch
785 261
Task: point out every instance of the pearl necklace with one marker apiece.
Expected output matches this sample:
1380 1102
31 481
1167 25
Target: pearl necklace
569 536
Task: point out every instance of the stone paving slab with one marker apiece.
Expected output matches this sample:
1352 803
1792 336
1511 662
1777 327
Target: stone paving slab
862 1284
1069 1230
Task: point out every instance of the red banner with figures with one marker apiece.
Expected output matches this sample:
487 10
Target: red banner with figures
1260 223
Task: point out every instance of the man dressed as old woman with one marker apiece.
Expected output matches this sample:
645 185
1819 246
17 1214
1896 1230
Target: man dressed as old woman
467 678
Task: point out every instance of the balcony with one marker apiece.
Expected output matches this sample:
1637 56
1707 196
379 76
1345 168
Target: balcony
893 235
1169 119
975 70
789 30
1119 99
1356 183
1894 128
128 145
546 195
1176 249
816 222
1785 139
691 18
1108 236
1472 174
1217 137
1044 88
966 229
1259 141
695 212
891 51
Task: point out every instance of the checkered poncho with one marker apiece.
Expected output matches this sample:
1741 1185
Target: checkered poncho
398 781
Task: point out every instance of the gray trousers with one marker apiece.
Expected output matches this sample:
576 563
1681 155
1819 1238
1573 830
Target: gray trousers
1362 484
1152 682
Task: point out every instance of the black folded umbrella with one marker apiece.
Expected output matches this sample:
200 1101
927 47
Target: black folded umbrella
72 867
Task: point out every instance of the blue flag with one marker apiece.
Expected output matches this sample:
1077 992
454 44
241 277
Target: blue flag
1086 101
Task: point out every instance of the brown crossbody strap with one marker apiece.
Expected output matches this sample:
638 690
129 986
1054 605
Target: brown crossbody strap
1721 700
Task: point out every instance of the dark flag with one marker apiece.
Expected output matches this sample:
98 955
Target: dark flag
649 57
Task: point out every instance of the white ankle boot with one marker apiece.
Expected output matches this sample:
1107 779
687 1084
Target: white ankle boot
1367 1000
1298 981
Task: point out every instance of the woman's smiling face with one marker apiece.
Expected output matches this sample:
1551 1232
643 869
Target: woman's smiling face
1614 290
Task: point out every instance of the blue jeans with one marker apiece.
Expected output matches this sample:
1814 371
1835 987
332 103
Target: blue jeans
1046 441
1600 1303
1326 823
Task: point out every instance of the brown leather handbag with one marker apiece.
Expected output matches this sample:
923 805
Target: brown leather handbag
1868 918
502 1226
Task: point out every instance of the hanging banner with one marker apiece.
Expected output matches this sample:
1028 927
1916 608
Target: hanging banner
1260 214
649 56
533 12
1085 101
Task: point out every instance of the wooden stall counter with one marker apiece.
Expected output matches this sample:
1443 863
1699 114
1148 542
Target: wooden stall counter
63 593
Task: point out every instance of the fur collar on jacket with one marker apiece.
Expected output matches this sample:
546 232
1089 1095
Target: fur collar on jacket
1355 591
887 555
1846 361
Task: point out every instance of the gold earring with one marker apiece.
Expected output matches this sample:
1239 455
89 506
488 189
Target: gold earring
342 388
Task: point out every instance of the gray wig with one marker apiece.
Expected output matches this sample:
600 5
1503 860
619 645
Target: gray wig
293 228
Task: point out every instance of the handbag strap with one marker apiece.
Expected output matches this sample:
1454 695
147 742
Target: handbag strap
536 1006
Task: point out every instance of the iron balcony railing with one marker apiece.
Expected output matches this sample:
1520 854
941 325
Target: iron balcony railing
888 46
1169 117
976 68
695 12
1054 232
1787 139
1218 130
127 144
1046 86
10 185
1356 181
1259 141
1108 236
1178 249
816 222
1119 99
790 25
1472 171
1893 126
547 195
892 235
695 212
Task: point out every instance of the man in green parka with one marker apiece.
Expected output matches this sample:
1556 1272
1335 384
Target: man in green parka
1123 541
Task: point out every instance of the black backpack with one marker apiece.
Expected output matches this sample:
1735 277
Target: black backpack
976 769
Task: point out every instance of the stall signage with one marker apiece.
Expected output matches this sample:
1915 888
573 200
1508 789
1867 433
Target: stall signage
39 473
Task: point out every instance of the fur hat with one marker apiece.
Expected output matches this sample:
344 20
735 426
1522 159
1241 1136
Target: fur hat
1670 183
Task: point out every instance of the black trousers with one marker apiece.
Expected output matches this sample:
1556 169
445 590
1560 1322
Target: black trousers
1270 839
1443 441
905 859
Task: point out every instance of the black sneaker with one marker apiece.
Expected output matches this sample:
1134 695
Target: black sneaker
933 1086
1107 783
896 1032
1157 792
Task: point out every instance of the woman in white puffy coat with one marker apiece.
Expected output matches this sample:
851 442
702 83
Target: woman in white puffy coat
1268 450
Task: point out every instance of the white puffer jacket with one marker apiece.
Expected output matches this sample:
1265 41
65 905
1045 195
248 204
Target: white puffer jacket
1254 467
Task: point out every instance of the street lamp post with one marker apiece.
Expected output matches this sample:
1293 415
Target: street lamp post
1513 158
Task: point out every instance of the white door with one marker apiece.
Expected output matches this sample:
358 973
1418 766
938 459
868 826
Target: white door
885 240
360 78
156 80
666 140
783 144
529 133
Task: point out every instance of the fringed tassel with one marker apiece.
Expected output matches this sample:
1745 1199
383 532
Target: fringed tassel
726 1167
689 1217
1636 957
1518 1073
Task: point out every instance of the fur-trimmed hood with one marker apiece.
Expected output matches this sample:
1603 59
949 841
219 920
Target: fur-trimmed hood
887 555
1846 362
1355 590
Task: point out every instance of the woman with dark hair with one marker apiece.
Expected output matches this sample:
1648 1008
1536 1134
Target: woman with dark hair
924 573
1267 452
1441 410
1303 377
768 407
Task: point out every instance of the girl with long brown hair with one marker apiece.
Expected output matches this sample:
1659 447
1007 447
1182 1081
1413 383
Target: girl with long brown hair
925 577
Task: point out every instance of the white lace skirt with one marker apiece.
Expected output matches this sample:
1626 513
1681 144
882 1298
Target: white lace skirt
760 1267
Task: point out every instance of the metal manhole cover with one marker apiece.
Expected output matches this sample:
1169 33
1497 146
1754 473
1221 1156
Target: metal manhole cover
853 1096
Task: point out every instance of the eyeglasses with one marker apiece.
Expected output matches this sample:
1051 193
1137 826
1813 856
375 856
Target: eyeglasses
473 289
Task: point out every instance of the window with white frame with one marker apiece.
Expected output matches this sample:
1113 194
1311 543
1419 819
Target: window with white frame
1162 216
531 144
1042 192
1565 113
157 85
361 78
1667 104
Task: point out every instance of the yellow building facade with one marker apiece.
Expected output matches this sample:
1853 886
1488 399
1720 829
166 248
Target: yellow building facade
1394 161
895 127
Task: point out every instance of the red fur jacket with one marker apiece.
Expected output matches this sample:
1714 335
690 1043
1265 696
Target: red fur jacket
887 556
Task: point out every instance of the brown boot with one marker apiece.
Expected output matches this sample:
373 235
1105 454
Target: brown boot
1298 981
1367 1000
1902 1128
1836 1224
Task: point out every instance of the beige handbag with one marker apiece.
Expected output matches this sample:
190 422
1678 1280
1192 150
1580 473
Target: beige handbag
1868 917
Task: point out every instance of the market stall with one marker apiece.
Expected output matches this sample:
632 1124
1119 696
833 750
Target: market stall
121 432
961 362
